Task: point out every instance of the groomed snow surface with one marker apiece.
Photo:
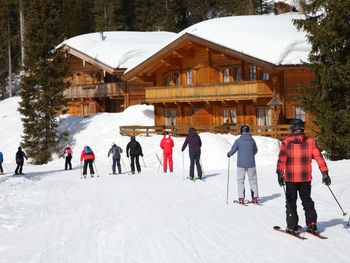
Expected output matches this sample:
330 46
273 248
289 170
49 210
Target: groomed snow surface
51 215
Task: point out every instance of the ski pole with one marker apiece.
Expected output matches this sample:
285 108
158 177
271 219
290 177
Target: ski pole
228 179
284 189
203 174
349 221
344 214
96 169
183 165
81 170
123 162
143 160
110 164
160 162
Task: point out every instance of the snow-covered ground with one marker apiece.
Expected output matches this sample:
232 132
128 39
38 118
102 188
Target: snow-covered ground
51 215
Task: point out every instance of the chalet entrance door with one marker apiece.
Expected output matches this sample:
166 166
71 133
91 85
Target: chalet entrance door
85 109
201 117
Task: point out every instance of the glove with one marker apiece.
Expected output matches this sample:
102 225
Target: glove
127 155
141 154
280 178
228 155
326 179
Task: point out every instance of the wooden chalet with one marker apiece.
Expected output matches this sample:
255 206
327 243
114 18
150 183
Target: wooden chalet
97 61
203 79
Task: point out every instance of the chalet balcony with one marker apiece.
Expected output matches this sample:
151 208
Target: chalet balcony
248 90
99 90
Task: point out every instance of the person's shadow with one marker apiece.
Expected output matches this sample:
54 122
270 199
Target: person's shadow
333 222
269 197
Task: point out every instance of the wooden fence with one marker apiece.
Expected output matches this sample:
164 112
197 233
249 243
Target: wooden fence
278 132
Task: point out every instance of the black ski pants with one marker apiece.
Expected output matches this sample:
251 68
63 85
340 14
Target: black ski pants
304 189
116 162
135 159
1 170
194 158
19 168
86 163
68 163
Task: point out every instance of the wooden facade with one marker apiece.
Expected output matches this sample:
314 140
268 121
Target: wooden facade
198 83
95 87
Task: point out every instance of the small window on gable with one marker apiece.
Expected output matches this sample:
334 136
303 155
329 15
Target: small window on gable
189 78
237 73
226 75
252 73
266 76
176 79
300 113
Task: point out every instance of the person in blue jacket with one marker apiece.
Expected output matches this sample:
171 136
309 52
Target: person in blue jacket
247 149
1 160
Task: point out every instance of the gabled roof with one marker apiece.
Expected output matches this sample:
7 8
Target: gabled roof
117 50
270 39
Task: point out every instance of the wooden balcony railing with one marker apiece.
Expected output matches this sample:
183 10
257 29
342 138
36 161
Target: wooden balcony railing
213 92
95 90
278 131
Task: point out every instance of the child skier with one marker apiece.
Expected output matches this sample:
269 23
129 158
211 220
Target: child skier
194 148
294 170
68 157
20 155
88 156
1 160
247 149
134 149
167 145
115 151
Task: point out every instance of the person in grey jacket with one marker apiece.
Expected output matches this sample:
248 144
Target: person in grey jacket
115 151
246 147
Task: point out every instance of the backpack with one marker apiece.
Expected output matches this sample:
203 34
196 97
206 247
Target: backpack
87 150
69 151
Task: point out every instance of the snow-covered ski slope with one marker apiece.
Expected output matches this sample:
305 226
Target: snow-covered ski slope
51 215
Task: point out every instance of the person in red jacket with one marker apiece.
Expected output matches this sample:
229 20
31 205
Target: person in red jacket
295 171
88 156
167 145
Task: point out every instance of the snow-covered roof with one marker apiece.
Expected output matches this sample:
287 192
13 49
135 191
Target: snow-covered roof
119 49
270 38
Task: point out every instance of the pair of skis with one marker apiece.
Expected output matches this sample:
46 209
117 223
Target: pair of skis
300 234
246 203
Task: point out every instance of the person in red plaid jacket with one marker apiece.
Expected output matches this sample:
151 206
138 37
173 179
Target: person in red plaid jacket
295 171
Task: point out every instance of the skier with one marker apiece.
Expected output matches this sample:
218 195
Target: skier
115 151
1 160
134 149
294 170
20 155
167 145
194 144
89 157
247 149
68 157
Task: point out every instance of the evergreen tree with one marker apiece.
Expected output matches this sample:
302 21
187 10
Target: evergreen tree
43 83
108 15
328 97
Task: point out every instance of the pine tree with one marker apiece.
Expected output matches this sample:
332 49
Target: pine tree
328 97
43 83
108 15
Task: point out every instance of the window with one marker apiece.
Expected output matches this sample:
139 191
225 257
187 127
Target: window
263 116
176 79
237 73
189 78
226 75
299 113
266 76
230 116
167 81
252 73
170 117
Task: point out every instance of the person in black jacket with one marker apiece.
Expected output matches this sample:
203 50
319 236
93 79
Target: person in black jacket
194 144
134 150
20 155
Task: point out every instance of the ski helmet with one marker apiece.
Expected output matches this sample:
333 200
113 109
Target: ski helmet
297 125
244 129
166 133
